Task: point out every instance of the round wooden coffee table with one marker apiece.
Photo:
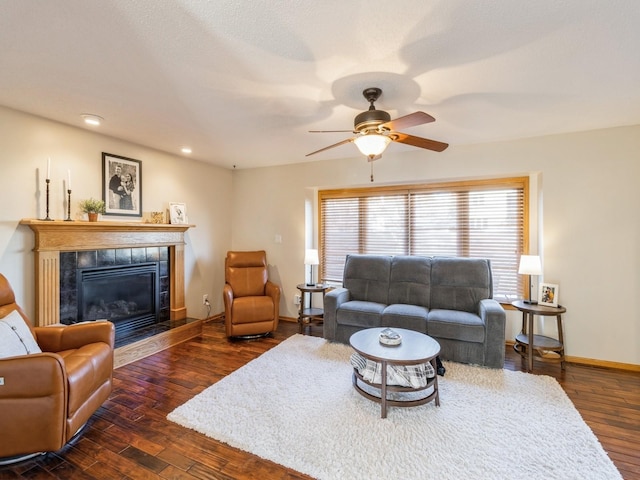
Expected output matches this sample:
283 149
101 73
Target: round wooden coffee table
416 348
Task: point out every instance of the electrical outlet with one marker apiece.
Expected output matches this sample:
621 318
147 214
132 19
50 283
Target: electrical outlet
205 299
296 300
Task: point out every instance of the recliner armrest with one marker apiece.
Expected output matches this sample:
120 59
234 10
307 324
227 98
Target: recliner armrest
495 319
272 290
336 297
30 376
57 338
490 310
332 301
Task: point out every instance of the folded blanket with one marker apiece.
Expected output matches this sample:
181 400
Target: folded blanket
414 376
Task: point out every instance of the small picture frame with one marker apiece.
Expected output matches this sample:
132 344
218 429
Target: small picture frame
548 294
178 213
121 185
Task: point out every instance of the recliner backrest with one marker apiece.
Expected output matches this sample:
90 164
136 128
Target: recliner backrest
8 302
460 283
246 272
367 277
410 280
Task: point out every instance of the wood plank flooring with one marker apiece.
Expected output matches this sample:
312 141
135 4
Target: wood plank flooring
130 438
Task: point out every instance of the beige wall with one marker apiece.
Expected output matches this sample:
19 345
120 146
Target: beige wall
588 203
588 219
26 142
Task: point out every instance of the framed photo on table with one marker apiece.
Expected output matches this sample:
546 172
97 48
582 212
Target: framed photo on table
121 185
178 213
548 294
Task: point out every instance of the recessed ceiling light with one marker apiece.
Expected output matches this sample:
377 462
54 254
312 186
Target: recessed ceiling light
91 119
186 150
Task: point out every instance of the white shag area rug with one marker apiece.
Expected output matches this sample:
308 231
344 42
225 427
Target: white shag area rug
295 405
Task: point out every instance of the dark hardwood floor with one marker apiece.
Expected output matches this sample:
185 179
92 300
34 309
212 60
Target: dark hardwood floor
130 438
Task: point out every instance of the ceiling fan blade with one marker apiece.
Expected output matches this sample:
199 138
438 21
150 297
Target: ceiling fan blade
348 140
411 120
331 131
419 142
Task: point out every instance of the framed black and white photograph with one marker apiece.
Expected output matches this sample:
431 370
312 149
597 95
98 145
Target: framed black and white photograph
121 185
548 294
178 213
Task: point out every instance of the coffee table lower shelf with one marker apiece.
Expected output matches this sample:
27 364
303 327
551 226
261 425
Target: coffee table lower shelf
383 399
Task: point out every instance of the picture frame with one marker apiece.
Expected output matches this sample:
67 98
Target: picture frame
178 213
548 294
121 185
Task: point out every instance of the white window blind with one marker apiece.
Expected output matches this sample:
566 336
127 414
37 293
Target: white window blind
484 219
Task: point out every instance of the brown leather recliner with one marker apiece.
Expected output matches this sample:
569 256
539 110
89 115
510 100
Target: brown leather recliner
45 398
251 301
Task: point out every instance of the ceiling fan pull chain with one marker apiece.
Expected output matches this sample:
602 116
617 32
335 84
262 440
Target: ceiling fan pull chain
371 163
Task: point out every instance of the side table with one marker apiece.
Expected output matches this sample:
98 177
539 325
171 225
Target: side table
544 348
310 314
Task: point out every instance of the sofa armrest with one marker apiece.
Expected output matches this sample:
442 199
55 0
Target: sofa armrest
68 337
494 318
332 301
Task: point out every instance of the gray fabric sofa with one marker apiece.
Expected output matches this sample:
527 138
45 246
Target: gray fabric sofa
449 299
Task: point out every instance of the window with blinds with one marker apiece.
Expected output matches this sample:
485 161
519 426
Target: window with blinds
483 219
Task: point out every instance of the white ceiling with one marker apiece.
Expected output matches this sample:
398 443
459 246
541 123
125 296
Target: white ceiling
242 82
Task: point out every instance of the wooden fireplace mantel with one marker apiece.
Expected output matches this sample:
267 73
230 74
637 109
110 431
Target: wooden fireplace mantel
53 237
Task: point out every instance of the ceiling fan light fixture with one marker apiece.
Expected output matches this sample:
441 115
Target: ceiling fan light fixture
372 144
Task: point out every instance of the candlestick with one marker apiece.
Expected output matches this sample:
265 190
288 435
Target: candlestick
49 168
68 219
47 217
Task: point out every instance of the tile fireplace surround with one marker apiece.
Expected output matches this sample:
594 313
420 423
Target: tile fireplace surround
53 237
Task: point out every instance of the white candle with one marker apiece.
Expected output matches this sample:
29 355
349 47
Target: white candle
69 179
48 168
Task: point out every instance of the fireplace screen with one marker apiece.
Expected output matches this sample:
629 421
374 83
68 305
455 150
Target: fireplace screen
126 295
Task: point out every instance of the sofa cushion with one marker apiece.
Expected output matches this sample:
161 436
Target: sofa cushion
360 314
411 317
367 277
456 325
460 283
410 280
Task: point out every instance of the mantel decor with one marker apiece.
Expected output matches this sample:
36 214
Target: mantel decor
53 237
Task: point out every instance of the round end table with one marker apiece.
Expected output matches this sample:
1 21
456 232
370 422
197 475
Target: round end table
544 348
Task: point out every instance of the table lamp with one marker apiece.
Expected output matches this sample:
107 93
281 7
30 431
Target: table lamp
530 265
311 258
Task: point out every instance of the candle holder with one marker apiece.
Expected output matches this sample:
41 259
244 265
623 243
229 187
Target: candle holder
47 200
68 219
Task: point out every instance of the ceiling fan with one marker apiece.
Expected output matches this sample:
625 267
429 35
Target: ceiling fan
374 130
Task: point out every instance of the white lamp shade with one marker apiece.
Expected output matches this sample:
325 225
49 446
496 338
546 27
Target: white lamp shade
372 144
311 257
530 265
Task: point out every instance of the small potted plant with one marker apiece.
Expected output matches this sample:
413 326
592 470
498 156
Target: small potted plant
92 208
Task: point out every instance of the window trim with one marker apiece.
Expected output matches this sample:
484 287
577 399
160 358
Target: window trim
469 185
